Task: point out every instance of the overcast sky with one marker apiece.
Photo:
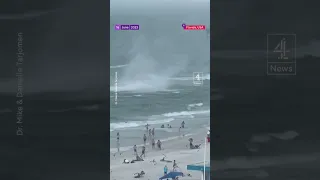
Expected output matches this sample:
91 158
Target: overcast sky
66 48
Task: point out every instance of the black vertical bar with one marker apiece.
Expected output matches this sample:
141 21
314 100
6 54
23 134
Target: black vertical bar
64 132
212 120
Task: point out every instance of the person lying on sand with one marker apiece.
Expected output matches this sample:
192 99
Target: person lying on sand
191 146
138 158
154 162
139 175
163 159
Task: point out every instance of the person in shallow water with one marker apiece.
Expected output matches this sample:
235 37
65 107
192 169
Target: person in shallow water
118 136
182 124
152 132
144 139
118 141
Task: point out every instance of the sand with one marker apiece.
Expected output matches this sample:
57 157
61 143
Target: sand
175 149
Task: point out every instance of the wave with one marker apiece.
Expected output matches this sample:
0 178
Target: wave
205 77
94 107
139 86
186 113
196 104
118 66
6 110
148 85
132 124
156 119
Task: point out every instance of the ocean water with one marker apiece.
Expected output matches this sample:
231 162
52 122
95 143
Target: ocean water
154 70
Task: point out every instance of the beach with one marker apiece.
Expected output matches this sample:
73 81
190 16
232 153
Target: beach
174 149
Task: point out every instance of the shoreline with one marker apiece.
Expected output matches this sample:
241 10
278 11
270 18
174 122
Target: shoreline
173 149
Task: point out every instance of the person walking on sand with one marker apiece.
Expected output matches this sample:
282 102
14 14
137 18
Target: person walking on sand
159 144
165 170
143 152
208 136
135 150
153 143
174 166
118 136
118 141
144 139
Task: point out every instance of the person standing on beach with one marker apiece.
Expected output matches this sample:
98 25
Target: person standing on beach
174 165
143 153
144 139
147 127
159 144
165 170
152 132
153 143
118 141
182 124
118 136
135 150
